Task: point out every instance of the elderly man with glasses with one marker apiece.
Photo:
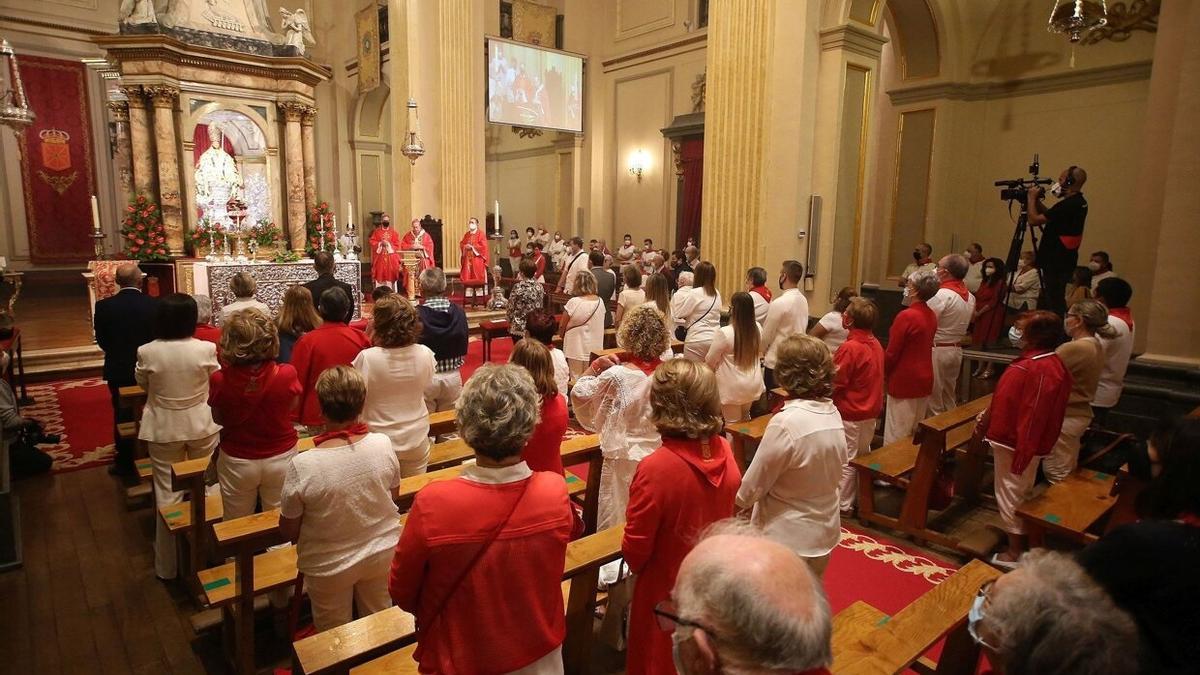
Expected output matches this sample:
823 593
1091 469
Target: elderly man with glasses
745 603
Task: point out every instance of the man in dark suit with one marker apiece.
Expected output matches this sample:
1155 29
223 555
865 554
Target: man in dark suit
123 323
606 284
323 263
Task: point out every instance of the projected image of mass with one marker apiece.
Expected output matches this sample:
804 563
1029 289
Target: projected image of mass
533 87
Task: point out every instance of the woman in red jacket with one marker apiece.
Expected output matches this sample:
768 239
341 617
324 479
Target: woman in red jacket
685 485
1024 420
543 449
480 559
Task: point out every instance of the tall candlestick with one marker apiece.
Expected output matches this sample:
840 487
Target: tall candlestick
350 220
497 210
323 246
95 215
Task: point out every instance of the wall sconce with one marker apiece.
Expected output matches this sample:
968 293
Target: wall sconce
638 162
413 148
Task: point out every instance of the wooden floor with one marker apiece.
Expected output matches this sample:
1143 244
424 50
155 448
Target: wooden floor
86 599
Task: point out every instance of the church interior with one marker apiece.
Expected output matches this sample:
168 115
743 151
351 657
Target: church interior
867 142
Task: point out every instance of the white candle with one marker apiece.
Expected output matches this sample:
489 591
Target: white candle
324 244
350 220
95 215
497 210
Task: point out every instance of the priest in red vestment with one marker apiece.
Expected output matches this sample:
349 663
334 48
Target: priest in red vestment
681 488
474 264
385 256
417 239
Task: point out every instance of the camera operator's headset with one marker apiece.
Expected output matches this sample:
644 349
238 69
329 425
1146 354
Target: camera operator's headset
1070 176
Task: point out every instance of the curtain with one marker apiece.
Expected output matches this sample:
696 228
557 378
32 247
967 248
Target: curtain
691 156
200 138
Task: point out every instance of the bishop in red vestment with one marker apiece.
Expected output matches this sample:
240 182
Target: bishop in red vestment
474 264
385 256
416 239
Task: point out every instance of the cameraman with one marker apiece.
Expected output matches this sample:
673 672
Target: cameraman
1062 234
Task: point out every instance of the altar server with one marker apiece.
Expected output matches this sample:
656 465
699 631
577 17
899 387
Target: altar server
385 256
474 261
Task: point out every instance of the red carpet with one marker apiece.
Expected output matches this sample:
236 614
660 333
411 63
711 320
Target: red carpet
80 412
868 567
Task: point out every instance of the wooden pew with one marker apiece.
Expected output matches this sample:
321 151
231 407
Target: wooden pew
223 586
899 642
584 559
913 464
676 347
1069 508
749 430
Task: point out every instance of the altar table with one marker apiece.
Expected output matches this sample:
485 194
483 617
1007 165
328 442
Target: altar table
212 279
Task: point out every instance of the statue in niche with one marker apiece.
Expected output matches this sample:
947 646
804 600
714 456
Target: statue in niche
217 15
217 178
295 28
138 12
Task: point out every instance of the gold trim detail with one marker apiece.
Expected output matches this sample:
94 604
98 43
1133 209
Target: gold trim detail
896 181
1122 21
859 198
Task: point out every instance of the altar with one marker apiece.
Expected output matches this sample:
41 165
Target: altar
212 279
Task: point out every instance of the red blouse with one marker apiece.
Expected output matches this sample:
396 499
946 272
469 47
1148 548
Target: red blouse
908 360
543 450
858 385
328 345
253 405
1028 406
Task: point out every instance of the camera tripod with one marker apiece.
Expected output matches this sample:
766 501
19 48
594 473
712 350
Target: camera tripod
1014 255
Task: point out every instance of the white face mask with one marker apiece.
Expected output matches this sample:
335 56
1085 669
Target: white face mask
1056 189
1015 337
1094 266
472 227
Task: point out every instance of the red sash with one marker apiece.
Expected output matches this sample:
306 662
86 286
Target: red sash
352 430
763 292
957 286
647 367
1123 314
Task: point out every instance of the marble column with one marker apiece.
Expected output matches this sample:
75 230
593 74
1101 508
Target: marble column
164 99
293 150
124 158
141 145
308 118
460 117
736 113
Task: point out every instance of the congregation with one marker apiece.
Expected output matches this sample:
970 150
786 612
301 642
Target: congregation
688 363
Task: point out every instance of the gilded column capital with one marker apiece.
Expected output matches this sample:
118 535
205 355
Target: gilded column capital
308 116
292 111
162 96
119 110
134 93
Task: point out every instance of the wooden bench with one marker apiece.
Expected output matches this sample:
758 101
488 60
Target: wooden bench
582 569
1069 508
898 642
749 430
913 465
242 537
676 347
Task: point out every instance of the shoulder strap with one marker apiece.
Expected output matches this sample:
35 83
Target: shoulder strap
710 308
483 548
599 301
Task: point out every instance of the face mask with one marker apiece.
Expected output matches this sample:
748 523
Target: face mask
975 615
1056 189
1014 336
1067 326
989 270
846 323
967 254
1094 266
909 292
917 255
472 227
781 281
676 656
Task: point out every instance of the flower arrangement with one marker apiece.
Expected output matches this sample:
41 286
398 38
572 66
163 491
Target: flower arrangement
142 230
263 233
286 256
319 239
206 234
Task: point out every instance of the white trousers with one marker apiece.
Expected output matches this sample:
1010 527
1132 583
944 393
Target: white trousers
858 442
443 391
902 417
365 584
615 477
1063 459
162 456
245 481
1012 489
577 366
947 363
414 462
697 350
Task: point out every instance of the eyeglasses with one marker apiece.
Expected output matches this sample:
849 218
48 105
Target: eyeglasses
972 626
668 618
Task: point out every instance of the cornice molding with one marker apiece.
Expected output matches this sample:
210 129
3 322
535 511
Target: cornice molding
168 50
688 43
981 91
853 38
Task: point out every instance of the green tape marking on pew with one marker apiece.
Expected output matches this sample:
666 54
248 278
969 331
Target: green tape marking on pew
217 583
1100 475
172 515
875 466
1051 518
572 478
882 621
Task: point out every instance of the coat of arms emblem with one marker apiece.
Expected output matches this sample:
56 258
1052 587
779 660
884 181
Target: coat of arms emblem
56 149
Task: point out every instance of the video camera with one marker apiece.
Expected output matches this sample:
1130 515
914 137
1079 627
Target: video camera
33 432
1018 188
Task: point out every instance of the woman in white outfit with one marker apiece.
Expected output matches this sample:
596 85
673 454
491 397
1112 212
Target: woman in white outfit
829 328
792 482
734 357
338 508
632 295
582 324
612 398
698 311
1086 322
177 423
397 371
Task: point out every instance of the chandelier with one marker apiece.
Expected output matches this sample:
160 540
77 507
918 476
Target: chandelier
413 148
1075 17
14 108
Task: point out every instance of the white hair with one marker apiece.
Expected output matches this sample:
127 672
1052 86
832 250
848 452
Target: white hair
925 282
686 278
203 308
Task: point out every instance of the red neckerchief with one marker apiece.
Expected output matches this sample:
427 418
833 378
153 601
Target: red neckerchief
926 261
763 292
957 286
1123 314
647 367
1190 519
352 430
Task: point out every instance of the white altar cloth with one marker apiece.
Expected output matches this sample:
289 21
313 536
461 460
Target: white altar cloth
212 279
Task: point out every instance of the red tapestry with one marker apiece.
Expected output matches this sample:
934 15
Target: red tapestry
56 161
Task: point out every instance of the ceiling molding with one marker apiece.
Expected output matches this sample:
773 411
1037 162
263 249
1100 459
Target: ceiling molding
853 38
980 91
